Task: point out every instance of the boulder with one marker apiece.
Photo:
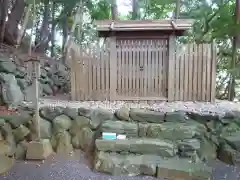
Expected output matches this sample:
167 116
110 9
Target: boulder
202 118
122 114
83 138
7 133
120 127
188 147
20 133
175 131
11 92
39 150
63 143
159 147
144 115
21 150
183 169
84 112
71 112
50 113
176 116
233 140
45 129
17 120
61 123
208 149
7 66
47 89
78 123
125 165
228 155
6 164
99 115
4 147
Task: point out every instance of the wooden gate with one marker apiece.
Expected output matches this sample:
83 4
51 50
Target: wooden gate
141 69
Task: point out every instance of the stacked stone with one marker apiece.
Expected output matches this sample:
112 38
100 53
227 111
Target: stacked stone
166 144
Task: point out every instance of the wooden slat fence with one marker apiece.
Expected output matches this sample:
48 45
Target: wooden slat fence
194 73
141 72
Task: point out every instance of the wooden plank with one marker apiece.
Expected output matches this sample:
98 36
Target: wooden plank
149 66
73 71
134 98
208 74
195 59
185 78
113 68
141 71
134 67
158 72
145 59
181 75
171 62
107 71
127 67
130 58
165 65
190 73
103 82
137 63
213 73
177 71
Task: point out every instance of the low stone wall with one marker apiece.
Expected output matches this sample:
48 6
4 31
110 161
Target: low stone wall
173 144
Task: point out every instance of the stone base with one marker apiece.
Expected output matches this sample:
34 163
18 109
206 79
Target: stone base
39 150
5 163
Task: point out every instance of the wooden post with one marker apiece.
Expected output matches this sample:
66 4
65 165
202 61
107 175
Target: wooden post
35 75
171 61
113 68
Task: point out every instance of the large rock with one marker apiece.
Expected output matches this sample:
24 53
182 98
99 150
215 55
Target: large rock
233 140
4 147
176 116
71 112
9 137
84 112
144 115
50 113
47 89
188 147
78 123
175 131
39 150
126 165
99 115
61 142
21 150
7 66
17 120
11 92
45 128
208 149
121 127
61 123
163 148
20 133
228 155
83 138
6 164
183 169
123 114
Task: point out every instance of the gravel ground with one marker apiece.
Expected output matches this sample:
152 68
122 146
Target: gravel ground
203 107
75 167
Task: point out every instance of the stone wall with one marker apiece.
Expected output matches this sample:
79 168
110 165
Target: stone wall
16 85
173 144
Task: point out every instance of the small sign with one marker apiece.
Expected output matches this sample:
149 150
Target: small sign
109 136
121 136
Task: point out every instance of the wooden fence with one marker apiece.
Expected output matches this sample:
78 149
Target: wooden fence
156 73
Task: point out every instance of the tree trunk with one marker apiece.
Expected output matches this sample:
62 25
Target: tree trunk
114 10
53 30
11 30
135 10
42 43
3 16
177 9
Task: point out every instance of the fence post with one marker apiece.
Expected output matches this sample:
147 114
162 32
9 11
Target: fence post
113 68
213 71
171 61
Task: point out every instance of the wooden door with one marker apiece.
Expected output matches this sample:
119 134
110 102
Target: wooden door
141 69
